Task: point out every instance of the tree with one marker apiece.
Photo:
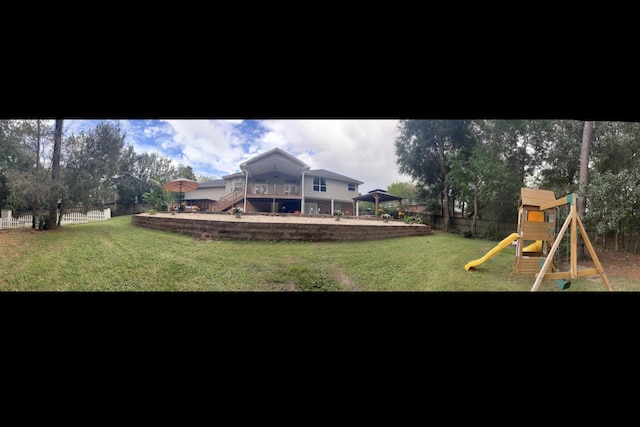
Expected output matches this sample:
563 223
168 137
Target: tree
14 162
35 135
561 170
55 174
406 190
150 166
612 199
186 172
158 196
136 174
92 166
483 177
422 148
614 146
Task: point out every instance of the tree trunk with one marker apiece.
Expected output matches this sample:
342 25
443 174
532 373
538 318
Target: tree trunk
36 206
475 214
55 175
584 172
445 195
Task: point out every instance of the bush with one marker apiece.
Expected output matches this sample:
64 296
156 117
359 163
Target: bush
491 231
43 221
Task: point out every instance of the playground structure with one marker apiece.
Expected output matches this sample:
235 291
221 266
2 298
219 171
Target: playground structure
538 240
536 230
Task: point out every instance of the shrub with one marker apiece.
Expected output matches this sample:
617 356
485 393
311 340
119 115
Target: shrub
43 221
491 231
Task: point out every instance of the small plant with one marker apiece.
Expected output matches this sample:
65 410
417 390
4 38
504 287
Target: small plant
237 210
337 212
152 211
385 216
43 222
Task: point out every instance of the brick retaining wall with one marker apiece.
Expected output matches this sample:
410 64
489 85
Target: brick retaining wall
247 230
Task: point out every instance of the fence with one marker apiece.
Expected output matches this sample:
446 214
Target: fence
8 221
483 227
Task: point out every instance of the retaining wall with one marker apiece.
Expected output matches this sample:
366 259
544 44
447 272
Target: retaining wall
247 230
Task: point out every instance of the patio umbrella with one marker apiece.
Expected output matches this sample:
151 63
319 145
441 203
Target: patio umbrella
180 185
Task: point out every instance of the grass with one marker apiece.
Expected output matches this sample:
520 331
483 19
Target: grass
114 255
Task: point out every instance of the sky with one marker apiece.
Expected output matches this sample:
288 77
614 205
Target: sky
360 149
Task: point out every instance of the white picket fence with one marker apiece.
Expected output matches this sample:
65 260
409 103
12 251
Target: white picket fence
8 221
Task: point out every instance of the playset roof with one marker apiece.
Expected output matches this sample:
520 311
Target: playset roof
535 198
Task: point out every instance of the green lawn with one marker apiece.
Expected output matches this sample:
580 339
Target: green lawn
114 255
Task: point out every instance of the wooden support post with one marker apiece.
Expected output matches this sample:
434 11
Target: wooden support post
573 221
549 261
574 238
594 257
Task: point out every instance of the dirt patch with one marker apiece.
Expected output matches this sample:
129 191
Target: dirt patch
618 263
10 239
614 264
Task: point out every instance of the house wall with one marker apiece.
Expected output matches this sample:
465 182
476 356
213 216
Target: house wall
229 185
337 190
205 193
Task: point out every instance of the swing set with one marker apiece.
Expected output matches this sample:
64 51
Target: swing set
537 216
572 225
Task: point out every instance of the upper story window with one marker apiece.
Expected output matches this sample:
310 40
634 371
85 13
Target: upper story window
238 184
351 186
319 184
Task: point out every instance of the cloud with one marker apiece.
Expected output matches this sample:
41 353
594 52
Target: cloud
361 149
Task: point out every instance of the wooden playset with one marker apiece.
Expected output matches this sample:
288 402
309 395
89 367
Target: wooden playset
538 239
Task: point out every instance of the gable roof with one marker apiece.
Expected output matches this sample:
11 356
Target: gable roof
274 161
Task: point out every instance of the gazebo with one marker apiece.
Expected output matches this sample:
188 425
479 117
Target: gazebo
377 196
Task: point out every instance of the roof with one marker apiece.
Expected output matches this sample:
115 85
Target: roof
274 161
535 197
212 183
382 196
323 173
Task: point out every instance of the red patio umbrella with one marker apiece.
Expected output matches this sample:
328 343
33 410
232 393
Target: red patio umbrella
180 185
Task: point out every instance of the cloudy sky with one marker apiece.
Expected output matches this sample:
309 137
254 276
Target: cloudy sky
359 149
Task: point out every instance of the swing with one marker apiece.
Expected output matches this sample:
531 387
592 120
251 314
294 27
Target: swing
563 283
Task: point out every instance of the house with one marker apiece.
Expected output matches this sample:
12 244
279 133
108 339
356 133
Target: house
277 182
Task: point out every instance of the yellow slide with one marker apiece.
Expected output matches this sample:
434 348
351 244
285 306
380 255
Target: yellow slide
534 247
500 246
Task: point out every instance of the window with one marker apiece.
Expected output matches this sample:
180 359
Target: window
351 186
238 184
537 216
319 184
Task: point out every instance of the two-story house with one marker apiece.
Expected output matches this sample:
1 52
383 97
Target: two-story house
274 182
